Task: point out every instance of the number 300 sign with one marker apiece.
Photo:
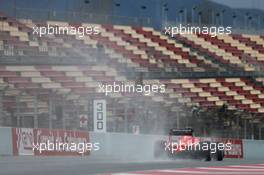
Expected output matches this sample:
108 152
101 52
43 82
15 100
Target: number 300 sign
99 115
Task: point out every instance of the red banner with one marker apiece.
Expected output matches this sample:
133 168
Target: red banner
236 150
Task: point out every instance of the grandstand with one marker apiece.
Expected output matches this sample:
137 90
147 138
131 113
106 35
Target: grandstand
47 82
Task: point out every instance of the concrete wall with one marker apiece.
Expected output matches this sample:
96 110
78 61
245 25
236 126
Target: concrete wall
253 149
6 147
128 146
125 146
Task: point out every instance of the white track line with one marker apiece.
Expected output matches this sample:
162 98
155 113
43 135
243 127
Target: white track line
225 170
208 172
126 174
229 169
246 166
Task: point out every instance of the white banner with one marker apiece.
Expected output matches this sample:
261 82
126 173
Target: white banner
23 140
99 115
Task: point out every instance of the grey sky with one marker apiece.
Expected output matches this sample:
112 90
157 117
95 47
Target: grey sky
254 4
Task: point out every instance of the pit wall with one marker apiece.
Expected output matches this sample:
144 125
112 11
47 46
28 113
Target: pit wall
127 146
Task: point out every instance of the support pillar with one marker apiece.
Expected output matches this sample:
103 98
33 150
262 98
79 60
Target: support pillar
178 119
63 114
125 119
36 113
17 112
50 110
245 129
260 133
1 109
114 116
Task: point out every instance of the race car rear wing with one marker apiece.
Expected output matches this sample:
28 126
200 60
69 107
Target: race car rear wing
181 132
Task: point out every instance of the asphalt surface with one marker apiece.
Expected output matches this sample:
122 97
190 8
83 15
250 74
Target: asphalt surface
27 165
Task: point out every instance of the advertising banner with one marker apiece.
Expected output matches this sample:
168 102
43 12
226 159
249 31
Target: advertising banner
50 142
60 142
236 150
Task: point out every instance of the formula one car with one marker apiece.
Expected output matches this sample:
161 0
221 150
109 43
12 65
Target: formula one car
182 144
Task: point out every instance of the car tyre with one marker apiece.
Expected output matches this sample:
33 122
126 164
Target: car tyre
219 155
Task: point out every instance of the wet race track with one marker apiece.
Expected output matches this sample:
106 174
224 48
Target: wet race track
26 165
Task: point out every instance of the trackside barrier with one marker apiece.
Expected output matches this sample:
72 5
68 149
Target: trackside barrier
253 149
18 141
6 141
126 146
